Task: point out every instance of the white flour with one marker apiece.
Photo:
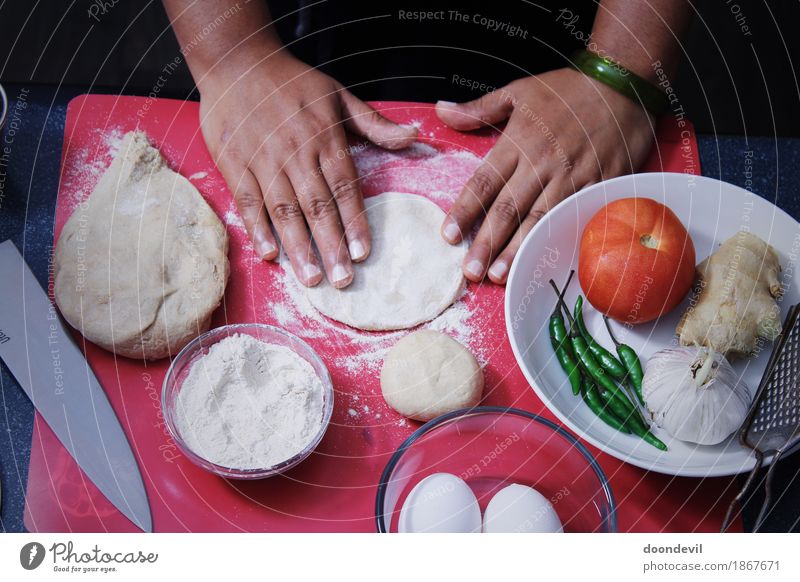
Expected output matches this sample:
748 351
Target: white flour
248 404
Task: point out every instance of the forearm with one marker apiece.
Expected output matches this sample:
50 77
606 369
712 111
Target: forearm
213 33
638 34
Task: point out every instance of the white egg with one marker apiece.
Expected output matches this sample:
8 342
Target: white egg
440 503
520 509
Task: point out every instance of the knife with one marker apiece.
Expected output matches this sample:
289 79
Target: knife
51 369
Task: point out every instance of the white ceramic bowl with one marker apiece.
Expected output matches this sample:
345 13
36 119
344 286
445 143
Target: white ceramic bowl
712 211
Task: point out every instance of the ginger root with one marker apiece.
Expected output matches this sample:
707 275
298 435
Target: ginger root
738 286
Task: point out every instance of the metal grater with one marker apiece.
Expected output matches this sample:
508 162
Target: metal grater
772 426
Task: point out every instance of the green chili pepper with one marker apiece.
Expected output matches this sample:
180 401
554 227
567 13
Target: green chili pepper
559 339
639 429
585 356
595 370
603 356
596 405
613 403
566 359
622 408
633 365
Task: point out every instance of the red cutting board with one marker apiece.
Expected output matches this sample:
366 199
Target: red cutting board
333 490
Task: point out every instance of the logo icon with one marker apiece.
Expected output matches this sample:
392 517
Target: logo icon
31 555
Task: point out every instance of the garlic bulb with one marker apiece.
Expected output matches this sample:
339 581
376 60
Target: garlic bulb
694 394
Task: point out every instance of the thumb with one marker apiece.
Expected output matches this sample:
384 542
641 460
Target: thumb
363 120
489 109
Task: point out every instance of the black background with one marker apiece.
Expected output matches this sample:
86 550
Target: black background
729 82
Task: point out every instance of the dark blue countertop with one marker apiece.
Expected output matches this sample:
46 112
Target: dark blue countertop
29 171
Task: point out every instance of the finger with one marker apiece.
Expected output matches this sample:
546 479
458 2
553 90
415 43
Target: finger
503 219
478 193
490 109
287 216
555 191
322 216
363 120
250 202
342 178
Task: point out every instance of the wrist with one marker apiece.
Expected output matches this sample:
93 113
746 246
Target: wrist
226 68
615 76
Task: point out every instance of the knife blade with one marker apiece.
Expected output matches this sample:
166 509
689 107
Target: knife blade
42 356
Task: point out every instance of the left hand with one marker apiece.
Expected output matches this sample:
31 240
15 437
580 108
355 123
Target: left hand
565 131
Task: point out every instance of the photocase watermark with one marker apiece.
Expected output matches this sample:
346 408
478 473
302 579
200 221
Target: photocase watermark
472 84
32 555
543 511
491 456
328 163
54 330
569 20
638 301
687 150
169 69
788 271
12 127
166 72
548 135
748 170
98 8
741 20
168 449
81 237
538 279
525 109
503 26
67 559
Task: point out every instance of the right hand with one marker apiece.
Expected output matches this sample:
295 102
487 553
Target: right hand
276 129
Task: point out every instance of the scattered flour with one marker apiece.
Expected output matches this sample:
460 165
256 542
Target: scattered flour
232 218
81 175
248 404
198 176
420 169
360 351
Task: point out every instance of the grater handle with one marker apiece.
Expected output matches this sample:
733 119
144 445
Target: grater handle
737 501
762 514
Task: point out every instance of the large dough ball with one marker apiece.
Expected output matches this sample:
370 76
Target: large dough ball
141 265
428 373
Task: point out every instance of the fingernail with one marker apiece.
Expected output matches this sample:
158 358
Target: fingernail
445 103
266 249
499 270
311 272
475 268
451 232
357 250
339 274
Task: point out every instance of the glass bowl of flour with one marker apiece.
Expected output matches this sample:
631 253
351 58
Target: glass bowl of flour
247 401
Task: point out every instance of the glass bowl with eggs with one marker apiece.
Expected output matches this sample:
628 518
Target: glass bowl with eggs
493 470
247 401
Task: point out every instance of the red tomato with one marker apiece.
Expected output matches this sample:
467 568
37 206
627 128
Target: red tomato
636 260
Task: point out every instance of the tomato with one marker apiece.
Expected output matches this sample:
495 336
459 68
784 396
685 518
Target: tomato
637 260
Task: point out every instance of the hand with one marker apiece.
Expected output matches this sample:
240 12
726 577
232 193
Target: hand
565 131
276 128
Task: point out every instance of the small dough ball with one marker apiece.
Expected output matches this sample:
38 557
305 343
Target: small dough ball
428 373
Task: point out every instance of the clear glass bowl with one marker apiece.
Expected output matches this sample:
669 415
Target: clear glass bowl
198 347
491 447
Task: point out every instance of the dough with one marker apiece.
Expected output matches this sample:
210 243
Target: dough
141 265
428 373
411 275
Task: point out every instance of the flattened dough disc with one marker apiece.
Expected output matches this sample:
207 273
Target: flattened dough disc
411 275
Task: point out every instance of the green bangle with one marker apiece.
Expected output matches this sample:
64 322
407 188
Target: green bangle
621 80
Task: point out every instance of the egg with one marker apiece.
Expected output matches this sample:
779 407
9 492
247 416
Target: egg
440 503
520 509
